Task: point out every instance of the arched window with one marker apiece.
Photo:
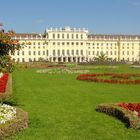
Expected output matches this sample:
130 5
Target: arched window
58 52
53 52
63 52
72 52
53 36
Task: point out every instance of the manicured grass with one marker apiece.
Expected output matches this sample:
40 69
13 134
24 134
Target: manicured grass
63 108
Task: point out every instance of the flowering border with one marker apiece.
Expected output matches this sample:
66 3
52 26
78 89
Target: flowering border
3 82
130 118
8 90
10 128
120 78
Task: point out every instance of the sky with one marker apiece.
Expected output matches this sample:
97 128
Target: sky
98 16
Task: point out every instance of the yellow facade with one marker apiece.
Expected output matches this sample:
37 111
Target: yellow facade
76 45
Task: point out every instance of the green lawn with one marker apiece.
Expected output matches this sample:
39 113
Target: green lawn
62 108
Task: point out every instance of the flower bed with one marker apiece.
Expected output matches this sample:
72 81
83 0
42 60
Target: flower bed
111 78
126 112
15 125
135 107
3 82
7 113
61 71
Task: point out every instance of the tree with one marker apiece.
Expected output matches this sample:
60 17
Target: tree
7 48
101 58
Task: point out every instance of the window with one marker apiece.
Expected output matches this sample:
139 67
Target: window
53 36
93 52
38 43
72 52
53 52
62 35
133 59
38 52
17 52
53 43
58 52
127 52
30 60
58 35
34 53
63 52
67 36
68 52
22 52
29 52
81 36
77 36
132 52
63 43
77 43
47 52
34 43
77 53
72 43
68 43
23 60
81 52
43 52
58 43
81 44
72 36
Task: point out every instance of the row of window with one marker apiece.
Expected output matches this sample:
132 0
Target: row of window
67 36
112 44
55 52
111 53
68 43
33 52
67 52
110 48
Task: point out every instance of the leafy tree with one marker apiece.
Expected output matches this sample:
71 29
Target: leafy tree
101 58
7 48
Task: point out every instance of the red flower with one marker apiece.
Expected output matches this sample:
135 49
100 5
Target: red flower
3 82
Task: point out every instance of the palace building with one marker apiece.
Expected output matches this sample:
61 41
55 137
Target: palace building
76 45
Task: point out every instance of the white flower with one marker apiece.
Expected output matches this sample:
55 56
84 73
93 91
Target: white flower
135 113
7 113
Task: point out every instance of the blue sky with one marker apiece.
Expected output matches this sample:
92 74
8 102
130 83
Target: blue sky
99 16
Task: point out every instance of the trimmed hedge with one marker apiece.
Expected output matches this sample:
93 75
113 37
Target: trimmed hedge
12 127
126 116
